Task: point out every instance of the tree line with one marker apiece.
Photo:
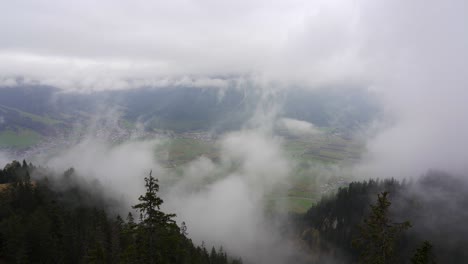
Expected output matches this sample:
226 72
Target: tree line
56 220
391 221
40 223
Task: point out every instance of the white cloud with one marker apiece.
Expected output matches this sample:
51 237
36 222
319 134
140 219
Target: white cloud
103 45
418 59
297 127
221 202
228 210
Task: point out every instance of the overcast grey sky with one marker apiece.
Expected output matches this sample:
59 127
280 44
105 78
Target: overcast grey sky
411 53
100 43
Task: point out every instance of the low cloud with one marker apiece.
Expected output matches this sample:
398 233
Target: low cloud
229 208
411 54
421 78
297 127
120 169
222 202
4 159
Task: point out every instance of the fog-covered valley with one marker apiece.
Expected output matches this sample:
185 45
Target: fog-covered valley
282 132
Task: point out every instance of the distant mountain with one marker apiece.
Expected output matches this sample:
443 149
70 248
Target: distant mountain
48 111
185 109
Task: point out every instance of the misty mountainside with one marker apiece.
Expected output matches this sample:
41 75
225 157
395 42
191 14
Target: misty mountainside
35 112
47 218
185 108
276 132
434 205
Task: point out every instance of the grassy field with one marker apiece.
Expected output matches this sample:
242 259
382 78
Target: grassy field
21 138
179 151
325 147
306 185
37 118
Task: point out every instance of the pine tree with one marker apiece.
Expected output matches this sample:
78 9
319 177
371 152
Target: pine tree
183 229
150 205
157 230
378 234
424 254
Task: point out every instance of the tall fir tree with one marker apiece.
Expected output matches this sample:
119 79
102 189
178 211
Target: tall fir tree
378 235
157 231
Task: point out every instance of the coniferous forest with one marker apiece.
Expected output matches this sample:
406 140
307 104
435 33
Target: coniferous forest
56 220
40 223
391 221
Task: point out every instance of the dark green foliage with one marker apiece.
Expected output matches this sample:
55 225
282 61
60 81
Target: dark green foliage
39 224
332 223
434 205
424 254
378 235
157 237
14 172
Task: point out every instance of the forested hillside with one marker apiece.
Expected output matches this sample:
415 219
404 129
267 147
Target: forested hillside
55 220
433 206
